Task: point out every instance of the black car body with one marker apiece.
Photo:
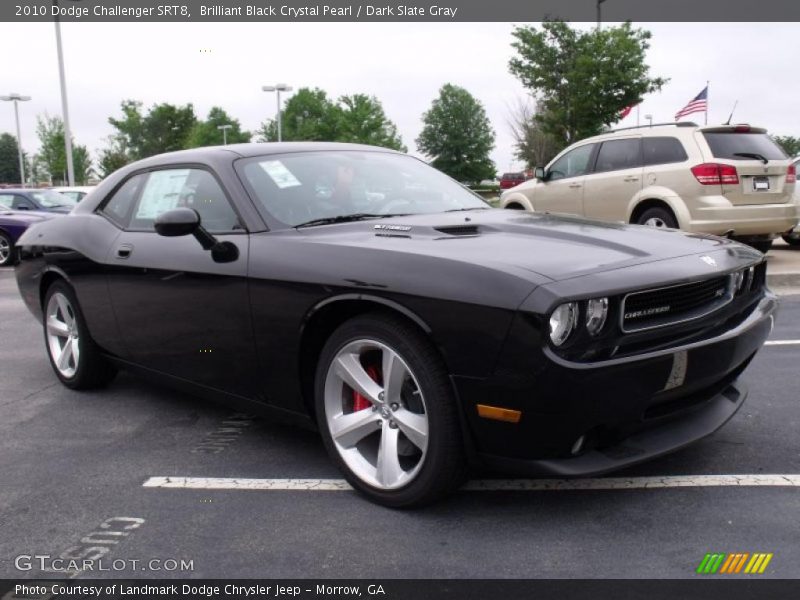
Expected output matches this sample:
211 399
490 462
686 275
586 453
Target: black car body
35 199
250 322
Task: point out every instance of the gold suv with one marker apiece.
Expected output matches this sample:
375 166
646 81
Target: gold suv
729 180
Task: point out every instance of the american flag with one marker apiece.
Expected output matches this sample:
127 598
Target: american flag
698 104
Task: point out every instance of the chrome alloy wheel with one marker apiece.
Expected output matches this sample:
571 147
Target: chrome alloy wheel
376 414
655 222
62 334
5 250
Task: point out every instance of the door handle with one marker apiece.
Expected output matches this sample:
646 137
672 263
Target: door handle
631 178
575 185
124 251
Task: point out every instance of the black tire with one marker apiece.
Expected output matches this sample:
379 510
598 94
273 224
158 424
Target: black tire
514 206
762 247
660 215
8 257
93 370
444 466
792 240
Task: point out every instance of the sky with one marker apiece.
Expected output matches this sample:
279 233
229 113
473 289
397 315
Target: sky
402 64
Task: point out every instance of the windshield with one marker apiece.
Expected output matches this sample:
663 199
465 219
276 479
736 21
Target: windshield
50 199
306 186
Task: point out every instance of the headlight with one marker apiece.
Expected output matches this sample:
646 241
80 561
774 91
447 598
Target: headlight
738 280
751 277
563 322
596 313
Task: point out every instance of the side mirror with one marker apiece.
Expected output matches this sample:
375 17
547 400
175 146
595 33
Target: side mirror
540 173
184 221
177 222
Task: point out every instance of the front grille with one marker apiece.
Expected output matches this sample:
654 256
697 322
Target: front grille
675 304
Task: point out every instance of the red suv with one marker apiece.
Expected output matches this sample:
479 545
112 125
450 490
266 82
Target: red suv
509 180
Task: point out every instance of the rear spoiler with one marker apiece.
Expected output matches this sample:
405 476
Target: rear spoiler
741 128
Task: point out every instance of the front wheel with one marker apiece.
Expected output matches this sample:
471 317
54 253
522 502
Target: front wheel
7 252
75 358
387 413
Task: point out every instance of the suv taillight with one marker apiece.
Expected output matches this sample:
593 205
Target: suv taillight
791 174
715 174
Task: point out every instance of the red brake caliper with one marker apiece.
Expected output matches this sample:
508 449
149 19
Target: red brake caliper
359 402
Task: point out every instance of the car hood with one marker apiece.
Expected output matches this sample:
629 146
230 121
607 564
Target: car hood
554 247
25 216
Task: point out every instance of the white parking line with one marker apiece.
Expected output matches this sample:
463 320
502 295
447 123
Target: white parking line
488 485
782 343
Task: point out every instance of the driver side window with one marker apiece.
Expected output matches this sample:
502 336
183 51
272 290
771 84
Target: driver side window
573 163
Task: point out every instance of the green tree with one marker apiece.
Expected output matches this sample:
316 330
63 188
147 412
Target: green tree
9 159
114 156
790 144
308 115
361 120
164 128
582 79
532 145
52 153
207 133
457 136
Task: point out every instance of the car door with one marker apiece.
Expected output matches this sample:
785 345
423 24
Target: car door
178 311
562 189
615 179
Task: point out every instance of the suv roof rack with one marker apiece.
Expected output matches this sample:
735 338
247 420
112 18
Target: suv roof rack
648 126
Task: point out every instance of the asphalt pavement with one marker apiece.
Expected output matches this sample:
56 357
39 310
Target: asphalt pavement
73 465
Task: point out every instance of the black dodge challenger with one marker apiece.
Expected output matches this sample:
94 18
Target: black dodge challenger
362 292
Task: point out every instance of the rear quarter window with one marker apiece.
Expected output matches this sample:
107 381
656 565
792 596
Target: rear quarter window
728 145
662 151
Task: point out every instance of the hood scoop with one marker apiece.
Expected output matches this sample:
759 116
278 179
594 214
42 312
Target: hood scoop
459 230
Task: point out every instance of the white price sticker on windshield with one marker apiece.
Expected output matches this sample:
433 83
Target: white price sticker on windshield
278 172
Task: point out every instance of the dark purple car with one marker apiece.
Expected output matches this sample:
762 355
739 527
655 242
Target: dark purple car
12 225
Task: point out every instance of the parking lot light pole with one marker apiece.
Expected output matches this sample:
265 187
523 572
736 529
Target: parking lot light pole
224 129
599 13
16 99
278 87
64 104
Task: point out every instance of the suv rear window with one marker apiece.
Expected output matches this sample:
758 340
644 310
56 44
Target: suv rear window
662 150
726 145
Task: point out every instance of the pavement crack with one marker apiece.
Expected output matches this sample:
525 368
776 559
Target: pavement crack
39 391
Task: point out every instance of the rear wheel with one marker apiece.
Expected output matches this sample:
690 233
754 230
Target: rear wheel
658 217
387 412
792 239
75 358
7 252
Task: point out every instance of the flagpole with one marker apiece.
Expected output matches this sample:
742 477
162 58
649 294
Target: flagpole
707 84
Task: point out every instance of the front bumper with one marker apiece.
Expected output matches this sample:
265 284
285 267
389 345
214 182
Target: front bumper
628 409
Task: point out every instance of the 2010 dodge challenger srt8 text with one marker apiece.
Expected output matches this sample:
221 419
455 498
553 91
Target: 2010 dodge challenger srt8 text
361 291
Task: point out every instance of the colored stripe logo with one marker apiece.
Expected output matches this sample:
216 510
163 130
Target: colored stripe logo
731 564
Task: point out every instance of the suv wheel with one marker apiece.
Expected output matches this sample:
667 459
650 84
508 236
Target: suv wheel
793 239
658 217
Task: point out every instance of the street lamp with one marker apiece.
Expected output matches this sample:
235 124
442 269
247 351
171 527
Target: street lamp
224 129
16 99
64 104
278 87
599 19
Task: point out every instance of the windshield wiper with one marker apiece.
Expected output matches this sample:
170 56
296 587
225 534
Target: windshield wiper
464 209
755 155
345 219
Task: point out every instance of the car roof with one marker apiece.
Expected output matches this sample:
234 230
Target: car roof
256 149
662 129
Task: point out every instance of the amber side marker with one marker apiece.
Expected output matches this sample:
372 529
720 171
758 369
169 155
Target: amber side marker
499 414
